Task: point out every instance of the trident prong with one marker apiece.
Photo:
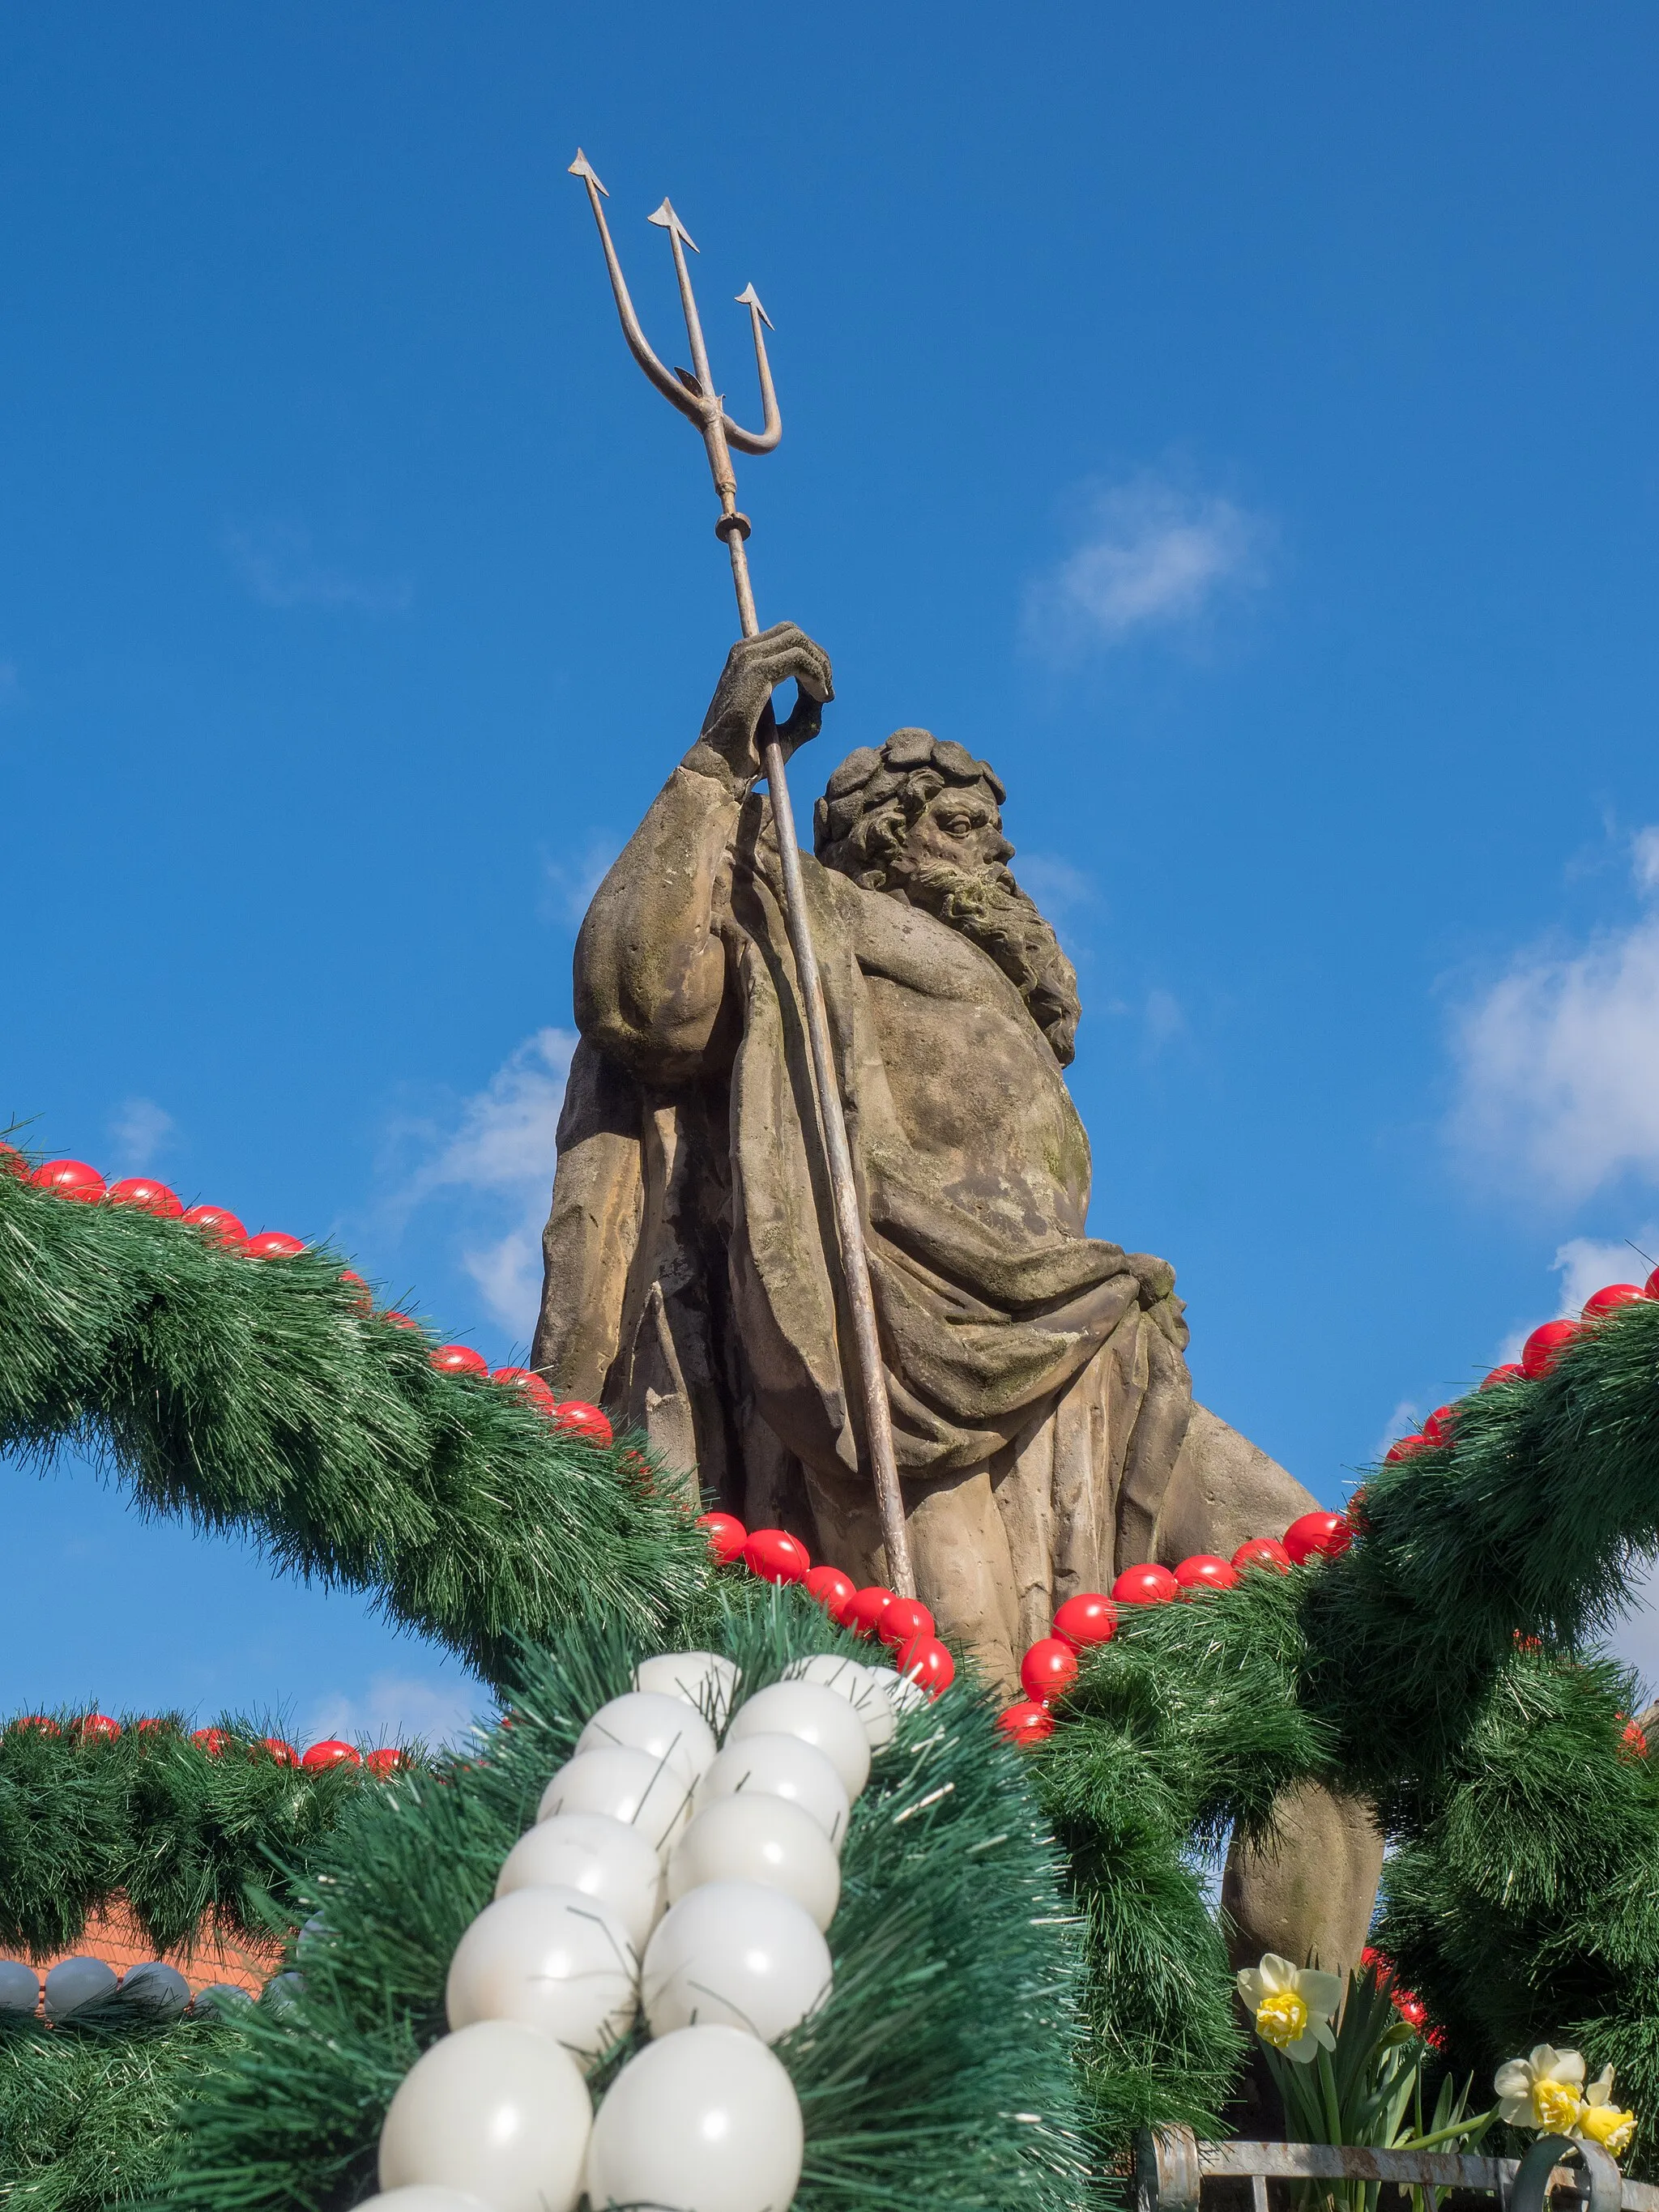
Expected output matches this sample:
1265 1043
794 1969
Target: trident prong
693 392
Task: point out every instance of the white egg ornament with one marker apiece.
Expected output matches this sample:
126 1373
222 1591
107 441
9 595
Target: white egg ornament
819 1716
851 1680
624 1785
549 1959
703 1678
754 1838
419 2197
607 1859
707 2119
780 1766
903 1694
738 1953
665 1728
497 2112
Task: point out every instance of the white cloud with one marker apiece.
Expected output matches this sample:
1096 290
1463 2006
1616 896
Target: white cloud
1058 888
1164 1019
1635 1639
504 1152
1405 1420
399 1709
141 1130
1585 1267
276 563
1558 1062
568 885
1151 557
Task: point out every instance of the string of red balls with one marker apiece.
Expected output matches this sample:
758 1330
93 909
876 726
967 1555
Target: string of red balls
1050 1666
74 1179
99 1727
905 1624
1538 1355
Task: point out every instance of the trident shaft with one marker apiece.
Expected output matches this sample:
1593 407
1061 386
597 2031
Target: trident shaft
692 391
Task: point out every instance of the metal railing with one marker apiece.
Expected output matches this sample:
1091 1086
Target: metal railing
1172 2166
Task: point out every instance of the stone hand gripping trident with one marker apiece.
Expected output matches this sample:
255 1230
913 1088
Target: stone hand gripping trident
693 392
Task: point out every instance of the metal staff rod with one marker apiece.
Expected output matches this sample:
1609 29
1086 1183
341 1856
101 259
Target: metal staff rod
693 392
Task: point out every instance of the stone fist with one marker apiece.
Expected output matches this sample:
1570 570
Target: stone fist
739 721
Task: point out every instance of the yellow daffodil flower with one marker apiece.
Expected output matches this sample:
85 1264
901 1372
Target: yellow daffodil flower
1600 2121
1544 2091
1292 2006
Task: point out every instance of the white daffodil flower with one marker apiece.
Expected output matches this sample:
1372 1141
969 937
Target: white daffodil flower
1600 2121
1544 2091
1292 2007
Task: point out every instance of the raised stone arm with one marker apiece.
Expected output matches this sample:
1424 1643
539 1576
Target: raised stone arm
650 971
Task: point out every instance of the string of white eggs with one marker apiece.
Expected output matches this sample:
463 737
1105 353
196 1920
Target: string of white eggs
670 1874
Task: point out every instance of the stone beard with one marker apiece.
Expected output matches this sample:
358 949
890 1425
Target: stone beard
1043 1419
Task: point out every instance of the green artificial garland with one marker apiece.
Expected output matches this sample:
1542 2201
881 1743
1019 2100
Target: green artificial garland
89 2114
259 1394
1436 1666
938 2076
149 1817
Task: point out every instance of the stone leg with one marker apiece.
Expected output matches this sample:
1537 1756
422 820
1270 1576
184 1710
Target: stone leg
965 1574
964 1571
1310 1894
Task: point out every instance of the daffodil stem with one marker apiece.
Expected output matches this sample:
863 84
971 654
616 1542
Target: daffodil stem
1478 2125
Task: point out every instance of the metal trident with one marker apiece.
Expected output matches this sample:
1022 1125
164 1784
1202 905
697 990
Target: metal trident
692 391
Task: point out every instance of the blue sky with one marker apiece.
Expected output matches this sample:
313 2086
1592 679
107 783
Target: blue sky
1238 424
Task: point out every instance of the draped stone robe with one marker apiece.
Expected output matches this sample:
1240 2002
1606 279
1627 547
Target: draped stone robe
1041 1398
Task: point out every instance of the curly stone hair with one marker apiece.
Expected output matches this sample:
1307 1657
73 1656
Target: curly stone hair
874 797
860 825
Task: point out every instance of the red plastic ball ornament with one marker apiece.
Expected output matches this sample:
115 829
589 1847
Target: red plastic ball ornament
149 1196
1148 1585
1609 1299
1204 1570
97 1727
386 1763
777 1556
150 1726
331 1753
39 1723
1437 1430
726 1535
864 1614
400 1320
1508 1373
833 1591
1262 1551
1545 1346
1410 2007
459 1359
219 1225
580 1419
212 1740
904 1620
1049 1667
1089 1618
274 1244
1634 1738
925 1660
363 1298
69 1179
1651 1286
1318 1536
12 1162
283 1752
1026 1723
1406 1448
526 1380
